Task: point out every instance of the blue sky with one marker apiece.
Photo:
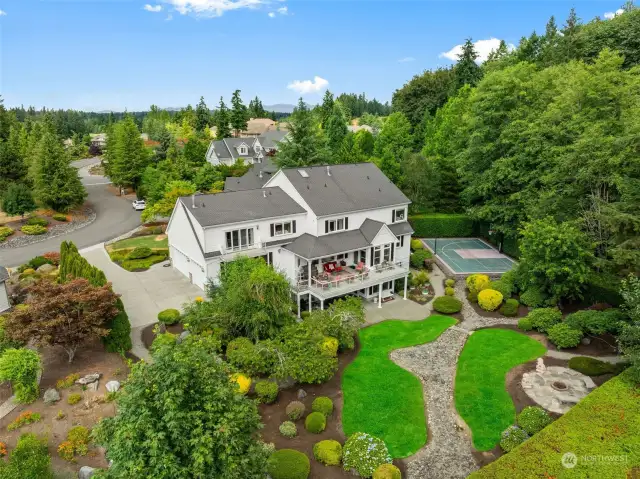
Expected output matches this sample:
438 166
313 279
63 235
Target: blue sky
117 54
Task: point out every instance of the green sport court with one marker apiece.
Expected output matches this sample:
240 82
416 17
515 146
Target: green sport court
468 255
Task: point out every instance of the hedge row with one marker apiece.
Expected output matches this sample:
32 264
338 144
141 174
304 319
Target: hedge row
439 225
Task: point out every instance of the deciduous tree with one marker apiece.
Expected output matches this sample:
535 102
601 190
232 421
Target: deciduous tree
18 200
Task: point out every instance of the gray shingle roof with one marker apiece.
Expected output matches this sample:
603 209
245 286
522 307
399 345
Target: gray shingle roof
233 143
370 229
269 138
251 180
4 274
237 206
351 187
311 247
400 229
221 149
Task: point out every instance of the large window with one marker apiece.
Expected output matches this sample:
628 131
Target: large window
339 224
284 228
398 215
240 239
382 253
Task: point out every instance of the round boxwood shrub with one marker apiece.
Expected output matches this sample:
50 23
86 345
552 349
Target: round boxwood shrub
323 405
288 429
33 230
418 258
169 316
37 221
288 464
242 382
477 282
38 261
329 346
140 252
533 419
512 437
387 471
364 453
533 297
564 336
525 324
450 282
315 422
60 217
449 291
544 318
447 304
510 307
592 366
295 410
503 287
416 244
328 452
267 391
490 299
472 297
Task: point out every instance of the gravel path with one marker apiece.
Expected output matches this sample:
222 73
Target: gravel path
448 453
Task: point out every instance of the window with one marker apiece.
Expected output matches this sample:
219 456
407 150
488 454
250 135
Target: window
397 215
381 253
286 228
239 239
243 150
339 224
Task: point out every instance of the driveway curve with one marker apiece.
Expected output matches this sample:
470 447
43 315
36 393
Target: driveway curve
114 217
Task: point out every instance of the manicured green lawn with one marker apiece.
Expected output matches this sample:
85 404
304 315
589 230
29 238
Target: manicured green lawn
602 430
381 398
148 241
481 396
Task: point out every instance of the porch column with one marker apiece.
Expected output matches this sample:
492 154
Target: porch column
309 279
406 280
309 302
380 295
322 304
298 295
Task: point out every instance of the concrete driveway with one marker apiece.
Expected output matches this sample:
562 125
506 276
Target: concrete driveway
147 293
114 217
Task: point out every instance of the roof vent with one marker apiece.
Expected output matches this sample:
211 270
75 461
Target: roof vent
303 173
264 194
260 174
308 187
368 177
193 201
203 205
328 170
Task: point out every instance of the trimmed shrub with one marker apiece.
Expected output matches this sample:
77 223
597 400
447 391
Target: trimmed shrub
564 336
288 429
37 221
21 367
508 279
33 230
450 282
594 367
544 318
329 346
305 314
74 398
449 291
416 244
36 262
163 340
315 422
477 282
60 217
533 297
418 257
512 437
387 471
472 297
489 299
328 452
510 307
29 460
420 279
5 232
364 453
604 288
169 316
323 405
267 391
504 288
141 252
442 225
447 304
243 382
288 464
595 322
249 357
525 324
533 419
119 338
295 410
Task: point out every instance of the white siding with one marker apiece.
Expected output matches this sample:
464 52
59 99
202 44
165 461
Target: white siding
279 179
4 299
185 253
356 219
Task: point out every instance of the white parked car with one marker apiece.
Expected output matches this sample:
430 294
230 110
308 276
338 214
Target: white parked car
139 205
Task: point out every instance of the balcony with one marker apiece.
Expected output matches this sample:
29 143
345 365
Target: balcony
350 280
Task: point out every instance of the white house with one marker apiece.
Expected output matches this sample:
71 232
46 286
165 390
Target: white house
331 230
250 150
4 297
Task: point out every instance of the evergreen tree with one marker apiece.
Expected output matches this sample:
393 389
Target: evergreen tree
326 109
18 200
127 155
335 131
364 142
222 121
569 36
550 42
467 71
238 113
56 182
166 140
256 110
203 116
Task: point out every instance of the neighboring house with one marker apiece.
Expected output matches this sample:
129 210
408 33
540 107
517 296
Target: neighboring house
99 140
4 296
257 127
249 150
357 128
306 222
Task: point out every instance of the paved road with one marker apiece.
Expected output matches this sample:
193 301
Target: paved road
114 216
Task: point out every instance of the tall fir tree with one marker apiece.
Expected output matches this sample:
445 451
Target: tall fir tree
467 71
335 132
256 110
56 182
238 113
326 109
222 121
569 36
203 116
127 155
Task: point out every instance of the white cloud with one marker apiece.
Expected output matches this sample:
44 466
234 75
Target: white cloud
610 15
153 8
169 18
308 86
2 13
212 8
406 60
483 49
272 15
283 11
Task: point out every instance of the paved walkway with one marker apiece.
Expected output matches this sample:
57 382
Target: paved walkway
566 356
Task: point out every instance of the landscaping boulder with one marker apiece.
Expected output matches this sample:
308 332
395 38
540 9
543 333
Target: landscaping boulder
86 472
586 341
51 396
46 268
302 394
88 379
93 386
183 336
112 386
286 383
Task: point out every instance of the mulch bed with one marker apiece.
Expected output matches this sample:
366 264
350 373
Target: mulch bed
148 335
415 294
5 391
